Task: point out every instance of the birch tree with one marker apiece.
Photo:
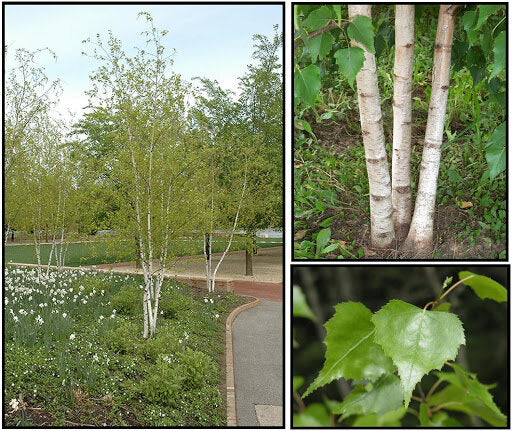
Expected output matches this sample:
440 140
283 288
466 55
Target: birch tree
227 143
420 237
402 118
381 209
317 28
155 159
29 98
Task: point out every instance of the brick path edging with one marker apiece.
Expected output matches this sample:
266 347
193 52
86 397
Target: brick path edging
230 371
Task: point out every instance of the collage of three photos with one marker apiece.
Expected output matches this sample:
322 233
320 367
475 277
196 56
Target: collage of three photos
151 275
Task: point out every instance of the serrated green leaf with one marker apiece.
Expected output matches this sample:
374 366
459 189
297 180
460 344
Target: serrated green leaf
298 381
350 61
361 30
458 398
389 419
351 351
495 153
307 84
484 11
314 415
417 340
442 419
500 54
468 21
319 46
331 404
300 305
318 18
485 287
385 396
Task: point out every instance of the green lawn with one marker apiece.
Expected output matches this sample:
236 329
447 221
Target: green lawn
96 253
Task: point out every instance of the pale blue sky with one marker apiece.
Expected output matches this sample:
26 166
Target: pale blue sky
212 41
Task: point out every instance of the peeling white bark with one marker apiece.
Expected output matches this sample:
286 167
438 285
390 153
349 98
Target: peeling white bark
402 97
381 210
420 238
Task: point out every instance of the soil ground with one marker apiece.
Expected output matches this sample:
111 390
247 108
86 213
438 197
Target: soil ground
448 220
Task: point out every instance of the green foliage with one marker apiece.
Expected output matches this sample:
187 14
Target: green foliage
82 346
495 152
384 395
370 348
361 30
300 305
351 350
350 61
314 415
307 84
484 287
418 341
128 300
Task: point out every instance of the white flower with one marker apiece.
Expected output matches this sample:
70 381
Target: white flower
95 357
22 311
72 336
6 301
216 316
39 320
211 300
101 318
64 315
205 300
14 404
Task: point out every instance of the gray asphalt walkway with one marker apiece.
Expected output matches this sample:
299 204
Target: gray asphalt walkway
258 365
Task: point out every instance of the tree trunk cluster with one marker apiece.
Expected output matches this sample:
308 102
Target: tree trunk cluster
392 221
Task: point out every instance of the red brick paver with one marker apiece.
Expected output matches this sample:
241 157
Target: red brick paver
259 289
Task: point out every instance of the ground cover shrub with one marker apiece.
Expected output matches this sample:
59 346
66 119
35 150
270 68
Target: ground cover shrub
74 353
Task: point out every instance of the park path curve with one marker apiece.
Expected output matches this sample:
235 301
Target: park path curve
257 334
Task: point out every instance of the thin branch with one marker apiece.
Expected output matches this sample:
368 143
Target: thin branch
441 406
320 31
433 388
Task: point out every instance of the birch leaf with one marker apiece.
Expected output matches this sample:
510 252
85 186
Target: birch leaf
319 46
318 18
417 340
385 396
300 305
351 351
458 398
500 54
495 151
484 11
361 30
350 61
485 287
314 415
307 84
389 419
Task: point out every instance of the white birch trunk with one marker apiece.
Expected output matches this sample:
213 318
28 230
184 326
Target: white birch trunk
7 233
232 231
402 97
420 238
381 209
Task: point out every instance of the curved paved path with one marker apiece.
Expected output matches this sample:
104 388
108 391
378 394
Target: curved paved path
258 364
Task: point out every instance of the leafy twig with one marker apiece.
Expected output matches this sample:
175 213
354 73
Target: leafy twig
433 388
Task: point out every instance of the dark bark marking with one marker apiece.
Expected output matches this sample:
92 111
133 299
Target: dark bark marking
403 189
375 161
384 235
378 198
445 87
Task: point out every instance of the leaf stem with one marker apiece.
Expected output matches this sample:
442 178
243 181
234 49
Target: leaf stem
299 401
414 412
415 398
433 388
420 390
441 406
453 287
441 297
